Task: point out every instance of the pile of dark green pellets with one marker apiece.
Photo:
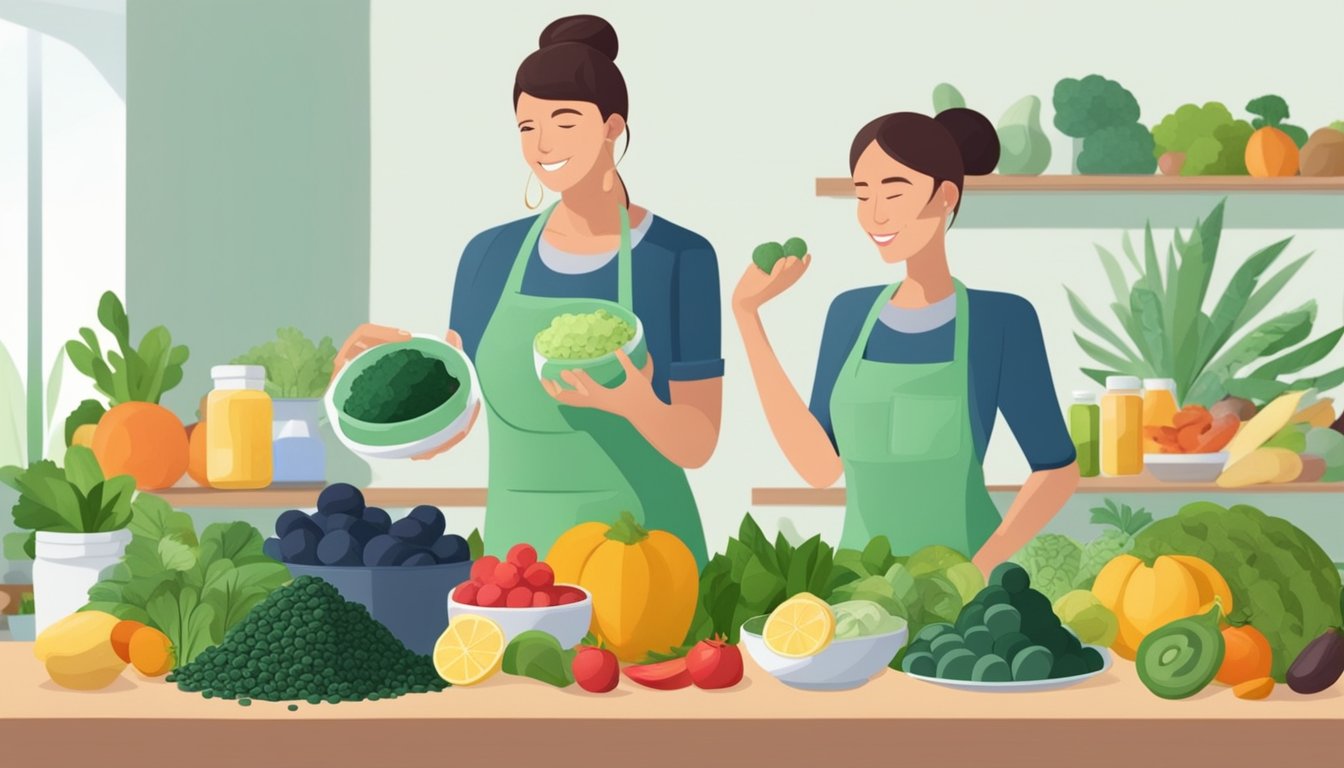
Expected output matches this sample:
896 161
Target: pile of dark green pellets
307 643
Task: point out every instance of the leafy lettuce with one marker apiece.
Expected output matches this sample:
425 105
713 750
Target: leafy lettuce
73 499
1282 582
193 590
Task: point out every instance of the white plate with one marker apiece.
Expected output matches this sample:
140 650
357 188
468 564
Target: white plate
407 450
1023 686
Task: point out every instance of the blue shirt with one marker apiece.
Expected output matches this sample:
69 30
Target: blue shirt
1009 371
675 278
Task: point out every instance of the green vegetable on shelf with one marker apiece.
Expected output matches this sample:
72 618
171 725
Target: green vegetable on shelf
1180 659
296 367
538 655
1272 111
399 386
1103 118
945 97
585 336
1212 141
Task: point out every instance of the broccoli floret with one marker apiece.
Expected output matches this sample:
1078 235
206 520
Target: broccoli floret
1083 107
1213 141
1118 149
399 387
1272 111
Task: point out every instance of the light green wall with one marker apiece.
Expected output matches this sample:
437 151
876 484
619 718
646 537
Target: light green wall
247 203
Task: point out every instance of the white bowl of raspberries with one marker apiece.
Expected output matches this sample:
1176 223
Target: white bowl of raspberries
519 594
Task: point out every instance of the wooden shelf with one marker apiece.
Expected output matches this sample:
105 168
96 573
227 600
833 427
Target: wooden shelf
305 497
758 722
843 186
835 497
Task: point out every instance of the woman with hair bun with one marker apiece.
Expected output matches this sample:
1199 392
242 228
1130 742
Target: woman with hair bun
560 456
911 375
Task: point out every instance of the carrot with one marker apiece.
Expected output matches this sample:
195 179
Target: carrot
1259 688
1192 414
1248 657
1219 435
151 652
122 632
1187 437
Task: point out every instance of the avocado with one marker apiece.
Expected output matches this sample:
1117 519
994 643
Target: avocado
795 247
766 254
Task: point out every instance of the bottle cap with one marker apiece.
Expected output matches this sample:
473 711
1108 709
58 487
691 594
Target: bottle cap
1167 384
238 372
1084 397
1122 382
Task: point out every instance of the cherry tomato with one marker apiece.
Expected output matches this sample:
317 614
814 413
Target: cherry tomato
714 663
519 597
541 600
483 570
466 593
539 576
522 555
507 576
490 596
596 670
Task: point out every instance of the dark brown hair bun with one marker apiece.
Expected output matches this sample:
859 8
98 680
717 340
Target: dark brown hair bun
975 137
592 31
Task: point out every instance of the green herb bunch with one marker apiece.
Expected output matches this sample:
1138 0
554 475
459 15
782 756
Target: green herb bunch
296 367
74 499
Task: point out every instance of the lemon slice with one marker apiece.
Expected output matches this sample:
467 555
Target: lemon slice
801 626
470 650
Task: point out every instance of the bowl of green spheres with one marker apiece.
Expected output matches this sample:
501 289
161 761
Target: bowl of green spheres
585 336
767 254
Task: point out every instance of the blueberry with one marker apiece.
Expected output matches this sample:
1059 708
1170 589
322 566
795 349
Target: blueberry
419 558
412 531
432 518
340 498
295 518
384 550
339 548
299 547
331 523
451 549
362 531
378 518
271 548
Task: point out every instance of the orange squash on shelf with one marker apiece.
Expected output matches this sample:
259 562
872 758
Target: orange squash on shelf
1271 152
143 440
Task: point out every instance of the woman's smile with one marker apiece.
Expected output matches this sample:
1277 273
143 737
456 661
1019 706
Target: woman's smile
553 167
882 239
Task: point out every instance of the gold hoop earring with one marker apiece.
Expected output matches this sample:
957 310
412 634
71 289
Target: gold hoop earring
527 186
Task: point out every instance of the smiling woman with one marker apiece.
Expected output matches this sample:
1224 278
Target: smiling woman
567 452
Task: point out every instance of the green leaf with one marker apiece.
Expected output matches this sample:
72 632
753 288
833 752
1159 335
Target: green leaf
80 357
1271 109
115 511
1127 245
1152 273
1147 308
155 518
783 553
1108 358
295 366
175 555
1098 375
153 354
537 655
1266 293
903 587
1323 383
47 501
475 545
1299 358
1226 318
81 468
87 412
876 555
761 585
1091 323
123 611
180 614
234 591
112 315
1116 276
1246 350
750 534
1197 260
13 412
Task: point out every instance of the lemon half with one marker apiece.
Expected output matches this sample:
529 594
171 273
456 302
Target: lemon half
801 626
470 650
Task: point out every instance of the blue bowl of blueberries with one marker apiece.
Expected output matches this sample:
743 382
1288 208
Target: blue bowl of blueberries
400 571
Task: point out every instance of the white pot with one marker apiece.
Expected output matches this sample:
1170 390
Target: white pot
299 454
67 566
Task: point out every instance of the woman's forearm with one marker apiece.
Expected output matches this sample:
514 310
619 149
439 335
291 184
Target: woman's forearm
1042 496
683 433
799 434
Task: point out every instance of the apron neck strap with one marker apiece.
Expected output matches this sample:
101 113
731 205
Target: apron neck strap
961 328
624 260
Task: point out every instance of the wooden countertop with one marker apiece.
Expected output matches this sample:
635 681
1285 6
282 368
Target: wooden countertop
1110 720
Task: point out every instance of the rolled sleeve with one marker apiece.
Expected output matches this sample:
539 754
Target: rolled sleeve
697 350
1027 394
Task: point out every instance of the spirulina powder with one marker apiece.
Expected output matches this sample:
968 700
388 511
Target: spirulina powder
307 643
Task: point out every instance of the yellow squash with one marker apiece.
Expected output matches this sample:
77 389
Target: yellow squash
644 583
1144 597
78 653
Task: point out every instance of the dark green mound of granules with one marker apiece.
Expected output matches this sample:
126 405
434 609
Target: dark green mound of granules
307 643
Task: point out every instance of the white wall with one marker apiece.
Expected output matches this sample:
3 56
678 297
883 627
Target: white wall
736 107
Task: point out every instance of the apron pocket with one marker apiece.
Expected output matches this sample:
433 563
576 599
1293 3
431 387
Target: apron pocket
865 432
926 427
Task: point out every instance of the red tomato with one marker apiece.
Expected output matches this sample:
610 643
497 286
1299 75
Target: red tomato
541 600
490 596
466 593
522 555
519 597
483 570
663 676
596 670
567 596
714 663
507 576
539 576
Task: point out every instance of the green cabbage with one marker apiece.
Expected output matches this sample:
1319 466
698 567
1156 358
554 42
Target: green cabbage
1052 561
1282 582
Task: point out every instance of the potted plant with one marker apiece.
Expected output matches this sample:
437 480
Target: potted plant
1166 331
297 374
79 522
21 624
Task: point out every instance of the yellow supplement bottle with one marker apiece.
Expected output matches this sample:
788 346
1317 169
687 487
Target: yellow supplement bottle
238 438
1159 408
1122 427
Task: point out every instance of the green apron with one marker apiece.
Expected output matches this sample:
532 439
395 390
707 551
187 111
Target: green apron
553 466
904 434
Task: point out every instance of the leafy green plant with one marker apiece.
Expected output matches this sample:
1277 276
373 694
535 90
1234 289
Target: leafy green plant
1104 116
26 605
1272 111
193 590
1213 142
128 374
295 366
1166 333
73 499
14 402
